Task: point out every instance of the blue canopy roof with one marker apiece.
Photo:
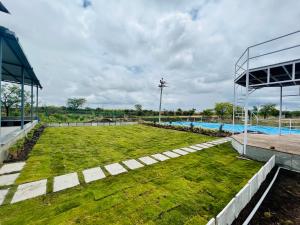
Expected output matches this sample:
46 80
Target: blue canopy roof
14 59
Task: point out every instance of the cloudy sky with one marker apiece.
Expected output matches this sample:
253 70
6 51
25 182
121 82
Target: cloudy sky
114 52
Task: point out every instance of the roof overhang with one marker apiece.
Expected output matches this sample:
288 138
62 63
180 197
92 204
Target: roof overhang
14 60
274 75
3 9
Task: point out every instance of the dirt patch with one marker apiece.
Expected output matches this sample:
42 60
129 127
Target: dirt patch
22 152
282 203
249 207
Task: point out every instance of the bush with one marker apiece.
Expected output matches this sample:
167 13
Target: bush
198 130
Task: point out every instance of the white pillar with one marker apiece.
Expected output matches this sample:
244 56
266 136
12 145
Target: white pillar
246 106
280 111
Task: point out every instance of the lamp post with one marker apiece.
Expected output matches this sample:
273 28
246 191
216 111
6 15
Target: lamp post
161 85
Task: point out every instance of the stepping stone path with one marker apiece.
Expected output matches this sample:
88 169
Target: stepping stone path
171 154
25 191
160 157
133 164
180 152
30 190
115 169
12 167
3 193
65 181
147 160
8 179
93 174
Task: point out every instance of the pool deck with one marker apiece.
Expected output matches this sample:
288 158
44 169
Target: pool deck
284 143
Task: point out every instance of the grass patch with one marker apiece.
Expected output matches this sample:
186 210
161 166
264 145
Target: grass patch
186 190
68 149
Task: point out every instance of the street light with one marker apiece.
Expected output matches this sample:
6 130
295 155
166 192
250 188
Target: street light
161 85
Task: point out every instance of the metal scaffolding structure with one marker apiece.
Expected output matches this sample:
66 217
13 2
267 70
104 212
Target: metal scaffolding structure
248 77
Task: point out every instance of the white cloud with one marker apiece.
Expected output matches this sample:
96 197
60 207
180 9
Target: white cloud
114 52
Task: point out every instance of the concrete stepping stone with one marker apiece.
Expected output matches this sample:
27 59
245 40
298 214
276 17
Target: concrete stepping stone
93 174
133 164
12 167
147 160
188 149
196 148
171 154
3 194
160 157
8 179
115 169
30 190
208 145
65 181
201 146
180 152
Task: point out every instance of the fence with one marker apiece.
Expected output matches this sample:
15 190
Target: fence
88 124
236 205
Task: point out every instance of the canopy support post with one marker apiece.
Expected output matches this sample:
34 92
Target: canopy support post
280 111
234 103
1 44
22 99
246 106
37 102
31 104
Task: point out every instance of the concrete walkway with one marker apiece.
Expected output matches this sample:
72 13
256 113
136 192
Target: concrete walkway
63 182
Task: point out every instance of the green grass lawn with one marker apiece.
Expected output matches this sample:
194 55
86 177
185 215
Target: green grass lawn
185 190
69 149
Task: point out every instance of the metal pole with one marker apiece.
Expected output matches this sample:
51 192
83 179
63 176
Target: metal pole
37 102
246 106
280 110
31 104
234 102
1 41
159 115
22 99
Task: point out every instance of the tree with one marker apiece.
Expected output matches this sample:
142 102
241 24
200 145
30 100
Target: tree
139 109
207 112
75 103
268 110
223 109
11 97
179 111
192 111
255 109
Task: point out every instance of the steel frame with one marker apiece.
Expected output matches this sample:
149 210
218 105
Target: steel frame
239 66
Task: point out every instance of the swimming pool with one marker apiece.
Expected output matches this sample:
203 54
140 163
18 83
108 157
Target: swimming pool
239 128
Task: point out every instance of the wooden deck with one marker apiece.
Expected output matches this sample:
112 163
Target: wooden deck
283 143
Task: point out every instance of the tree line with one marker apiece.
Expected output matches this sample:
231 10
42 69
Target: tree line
11 100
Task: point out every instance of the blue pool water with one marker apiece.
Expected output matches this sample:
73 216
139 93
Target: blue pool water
239 128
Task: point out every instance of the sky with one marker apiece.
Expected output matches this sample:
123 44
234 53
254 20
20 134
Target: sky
113 53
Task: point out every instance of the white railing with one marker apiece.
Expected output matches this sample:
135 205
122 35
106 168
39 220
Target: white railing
243 197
